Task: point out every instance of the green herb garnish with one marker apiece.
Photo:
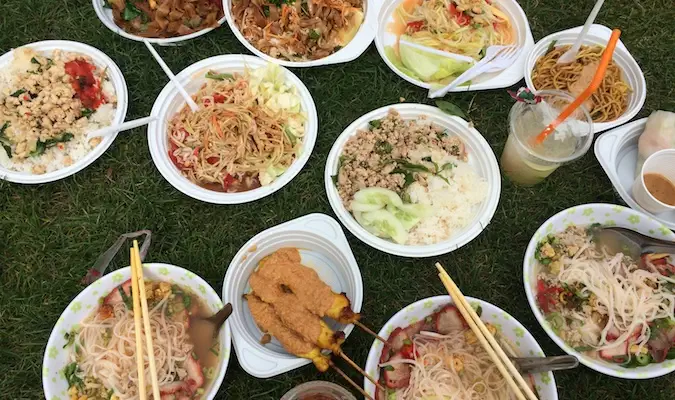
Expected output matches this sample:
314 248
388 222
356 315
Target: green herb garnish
18 93
41 147
70 373
218 77
314 34
35 61
450 108
86 112
4 140
376 123
125 298
70 338
383 147
551 46
266 11
106 4
388 368
131 12
187 301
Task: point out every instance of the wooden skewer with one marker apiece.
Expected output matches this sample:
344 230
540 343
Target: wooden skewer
146 323
501 360
367 330
361 371
140 364
348 379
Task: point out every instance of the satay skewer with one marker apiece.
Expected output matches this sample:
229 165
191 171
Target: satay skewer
361 371
367 330
348 379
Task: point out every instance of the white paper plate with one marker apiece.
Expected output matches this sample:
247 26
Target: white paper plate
617 152
169 102
481 158
586 214
106 16
116 78
597 35
56 358
516 334
350 52
495 80
324 248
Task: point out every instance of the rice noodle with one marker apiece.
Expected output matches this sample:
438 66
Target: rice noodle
113 360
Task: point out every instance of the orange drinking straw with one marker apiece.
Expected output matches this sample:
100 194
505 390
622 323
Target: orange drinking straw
595 83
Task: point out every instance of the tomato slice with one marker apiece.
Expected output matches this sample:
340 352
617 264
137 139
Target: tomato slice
218 98
415 26
462 19
212 160
227 181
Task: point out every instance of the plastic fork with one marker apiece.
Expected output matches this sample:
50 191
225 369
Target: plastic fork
496 59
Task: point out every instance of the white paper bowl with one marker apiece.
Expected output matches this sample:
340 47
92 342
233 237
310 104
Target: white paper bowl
515 333
324 248
586 214
117 80
56 357
495 80
481 158
350 52
597 35
169 102
106 16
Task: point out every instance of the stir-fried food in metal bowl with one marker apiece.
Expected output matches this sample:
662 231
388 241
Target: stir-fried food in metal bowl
247 132
409 181
48 102
298 30
165 18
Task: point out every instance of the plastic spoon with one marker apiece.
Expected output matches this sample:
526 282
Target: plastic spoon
121 127
595 83
571 54
172 77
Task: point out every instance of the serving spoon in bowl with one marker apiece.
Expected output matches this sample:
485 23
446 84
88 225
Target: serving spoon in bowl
204 330
630 242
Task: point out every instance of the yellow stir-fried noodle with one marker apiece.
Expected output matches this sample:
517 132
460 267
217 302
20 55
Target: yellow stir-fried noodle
232 138
106 349
454 26
607 103
447 367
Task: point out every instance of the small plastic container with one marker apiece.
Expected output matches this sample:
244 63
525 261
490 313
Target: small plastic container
662 162
169 102
481 158
328 390
528 164
598 35
324 248
617 153
502 79
116 78
353 49
106 16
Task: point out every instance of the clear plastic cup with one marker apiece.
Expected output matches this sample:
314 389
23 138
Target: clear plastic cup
318 390
526 163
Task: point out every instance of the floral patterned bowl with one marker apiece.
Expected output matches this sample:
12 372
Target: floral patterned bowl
56 357
587 214
513 331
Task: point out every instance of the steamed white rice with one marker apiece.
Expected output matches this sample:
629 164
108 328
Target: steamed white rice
454 205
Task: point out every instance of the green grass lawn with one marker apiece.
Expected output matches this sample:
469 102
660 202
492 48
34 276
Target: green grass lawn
51 234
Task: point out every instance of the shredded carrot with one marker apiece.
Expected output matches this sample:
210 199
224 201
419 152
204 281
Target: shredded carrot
217 125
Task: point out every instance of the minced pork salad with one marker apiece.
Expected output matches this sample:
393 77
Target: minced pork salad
408 181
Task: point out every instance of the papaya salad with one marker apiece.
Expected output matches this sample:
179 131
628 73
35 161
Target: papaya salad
408 181
464 27
607 305
298 30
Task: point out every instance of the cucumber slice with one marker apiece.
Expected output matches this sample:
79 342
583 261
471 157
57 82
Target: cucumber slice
408 220
416 209
378 196
358 216
364 207
386 223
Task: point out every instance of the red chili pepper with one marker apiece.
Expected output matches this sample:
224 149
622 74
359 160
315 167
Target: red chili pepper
84 83
409 351
415 26
462 19
227 181
26 97
218 98
547 296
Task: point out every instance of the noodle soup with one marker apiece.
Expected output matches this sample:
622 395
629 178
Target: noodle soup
102 365
604 303
439 356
